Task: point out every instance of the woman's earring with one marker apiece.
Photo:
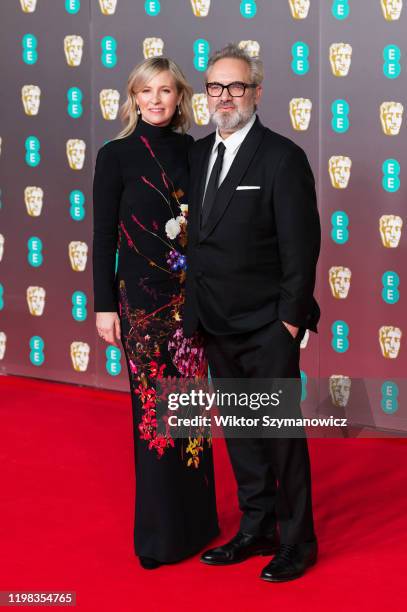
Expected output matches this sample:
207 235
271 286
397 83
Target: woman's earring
179 109
138 110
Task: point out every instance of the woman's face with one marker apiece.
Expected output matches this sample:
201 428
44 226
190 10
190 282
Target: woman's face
158 99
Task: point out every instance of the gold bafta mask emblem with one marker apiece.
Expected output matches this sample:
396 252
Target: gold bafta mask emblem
28 6
153 47
252 47
305 339
339 281
36 300
200 8
339 171
73 47
1 246
390 341
300 113
75 151
392 9
391 117
340 56
200 108
108 7
339 390
3 343
299 8
390 230
109 103
80 356
33 198
78 255
31 96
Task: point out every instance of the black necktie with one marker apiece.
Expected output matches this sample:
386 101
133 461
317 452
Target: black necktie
212 187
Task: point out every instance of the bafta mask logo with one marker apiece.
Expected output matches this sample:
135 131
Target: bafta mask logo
390 230
109 103
31 96
36 300
108 7
390 341
200 8
339 171
80 356
200 109
391 117
392 9
339 390
300 113
340 56
3 344
304 341
252 47
153 47
78 255
75 151
299 8
1 143
2 240
73 47
339 281
33 198
28 6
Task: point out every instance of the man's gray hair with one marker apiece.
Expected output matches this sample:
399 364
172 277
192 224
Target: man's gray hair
234 51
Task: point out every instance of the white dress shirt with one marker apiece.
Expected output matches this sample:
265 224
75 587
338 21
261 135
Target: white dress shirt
232 144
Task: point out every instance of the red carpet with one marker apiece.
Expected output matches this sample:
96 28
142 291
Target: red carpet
66 515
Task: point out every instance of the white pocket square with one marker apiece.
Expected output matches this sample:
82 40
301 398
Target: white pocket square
241 187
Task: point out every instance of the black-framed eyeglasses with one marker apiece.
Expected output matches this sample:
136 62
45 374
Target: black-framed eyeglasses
236 89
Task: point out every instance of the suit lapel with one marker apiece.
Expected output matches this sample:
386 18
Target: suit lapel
239 166
199 185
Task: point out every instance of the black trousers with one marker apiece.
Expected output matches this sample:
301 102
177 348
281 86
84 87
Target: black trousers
273 474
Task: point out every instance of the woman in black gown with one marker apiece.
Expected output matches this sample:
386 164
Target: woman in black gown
140 210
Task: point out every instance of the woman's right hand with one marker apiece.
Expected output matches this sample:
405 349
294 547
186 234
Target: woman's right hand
108 326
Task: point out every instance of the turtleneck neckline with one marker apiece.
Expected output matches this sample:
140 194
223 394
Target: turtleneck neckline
153 131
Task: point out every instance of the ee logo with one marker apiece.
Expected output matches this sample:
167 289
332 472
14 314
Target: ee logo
32 151
79 301
304 381
152 7
339 231
391 171
113 365
108 57
390 393
34 256
391 66
248 9
1 297
74 97
37 350
340 9
77 202
390 292
340 112
72 6
340 332
201 54
29 44
300 53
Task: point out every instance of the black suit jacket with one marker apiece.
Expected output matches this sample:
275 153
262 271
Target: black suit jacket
255 259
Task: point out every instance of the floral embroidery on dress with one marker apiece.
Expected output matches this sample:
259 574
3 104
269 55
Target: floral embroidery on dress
162 327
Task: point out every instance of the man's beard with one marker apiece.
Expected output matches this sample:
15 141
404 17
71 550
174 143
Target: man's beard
234 119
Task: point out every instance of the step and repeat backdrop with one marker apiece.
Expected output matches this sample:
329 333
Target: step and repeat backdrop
335 83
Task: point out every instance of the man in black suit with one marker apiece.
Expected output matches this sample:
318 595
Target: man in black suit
254 240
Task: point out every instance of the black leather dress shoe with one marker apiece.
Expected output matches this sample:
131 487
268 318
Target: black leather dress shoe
241 547
149 563
290 562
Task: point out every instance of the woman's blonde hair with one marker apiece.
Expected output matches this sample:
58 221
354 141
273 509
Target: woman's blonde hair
139 76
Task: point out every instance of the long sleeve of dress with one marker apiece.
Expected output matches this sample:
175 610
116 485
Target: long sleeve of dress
107 189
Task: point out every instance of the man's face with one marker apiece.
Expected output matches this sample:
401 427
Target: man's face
227 112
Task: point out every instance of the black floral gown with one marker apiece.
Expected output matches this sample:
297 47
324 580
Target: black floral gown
140 208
